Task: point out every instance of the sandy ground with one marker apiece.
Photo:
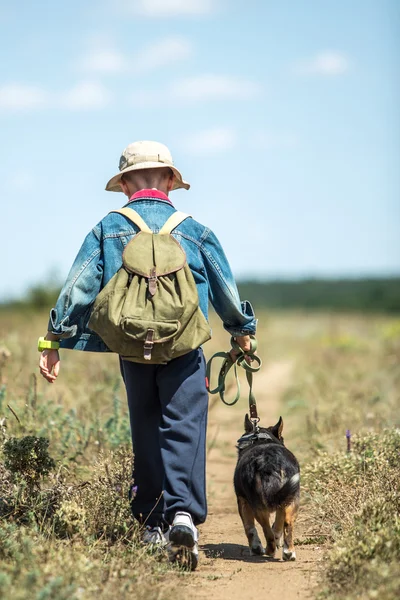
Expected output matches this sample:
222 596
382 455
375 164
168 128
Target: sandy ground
226 569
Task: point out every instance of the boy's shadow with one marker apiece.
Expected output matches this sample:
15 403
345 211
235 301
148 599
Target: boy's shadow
233 552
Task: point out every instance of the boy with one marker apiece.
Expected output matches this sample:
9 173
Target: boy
168 403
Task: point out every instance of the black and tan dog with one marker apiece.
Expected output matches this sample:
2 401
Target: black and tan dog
267 481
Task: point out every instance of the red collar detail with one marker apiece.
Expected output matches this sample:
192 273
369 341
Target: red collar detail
150 194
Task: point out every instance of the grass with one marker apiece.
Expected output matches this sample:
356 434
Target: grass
65 524
349 379
65 538
356 501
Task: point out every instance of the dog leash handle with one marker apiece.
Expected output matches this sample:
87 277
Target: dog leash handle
225 368
240 362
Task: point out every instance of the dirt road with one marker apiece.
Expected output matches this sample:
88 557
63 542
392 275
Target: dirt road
226 569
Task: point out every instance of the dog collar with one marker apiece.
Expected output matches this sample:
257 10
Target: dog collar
250 438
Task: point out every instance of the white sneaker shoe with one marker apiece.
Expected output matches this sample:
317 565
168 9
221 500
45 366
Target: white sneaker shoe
183 541
153 536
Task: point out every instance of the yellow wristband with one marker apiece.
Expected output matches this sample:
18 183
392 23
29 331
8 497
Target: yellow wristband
47 345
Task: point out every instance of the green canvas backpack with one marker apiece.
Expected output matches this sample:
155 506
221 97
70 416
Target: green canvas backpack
149 311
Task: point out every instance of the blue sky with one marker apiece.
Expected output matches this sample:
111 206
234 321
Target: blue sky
284 117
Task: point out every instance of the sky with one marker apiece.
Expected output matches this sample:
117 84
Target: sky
284 117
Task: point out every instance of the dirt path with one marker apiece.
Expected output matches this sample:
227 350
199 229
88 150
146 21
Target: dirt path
226 569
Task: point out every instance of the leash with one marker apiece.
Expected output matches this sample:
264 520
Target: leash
240 362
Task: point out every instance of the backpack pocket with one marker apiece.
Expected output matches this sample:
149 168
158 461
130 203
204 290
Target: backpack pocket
137 329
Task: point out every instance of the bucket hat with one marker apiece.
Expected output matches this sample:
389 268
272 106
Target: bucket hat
145 155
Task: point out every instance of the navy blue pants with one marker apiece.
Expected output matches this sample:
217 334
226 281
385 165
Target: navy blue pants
168 407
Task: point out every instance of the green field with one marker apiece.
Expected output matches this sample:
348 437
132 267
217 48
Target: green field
68 534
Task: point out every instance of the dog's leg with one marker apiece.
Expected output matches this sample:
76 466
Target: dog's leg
247 516
263 517
277 527
290 516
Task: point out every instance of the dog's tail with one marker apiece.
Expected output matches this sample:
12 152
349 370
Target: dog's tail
285 494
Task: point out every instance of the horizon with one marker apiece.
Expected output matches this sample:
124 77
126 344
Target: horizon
240 282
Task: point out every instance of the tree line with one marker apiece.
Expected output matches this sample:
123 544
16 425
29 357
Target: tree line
366 294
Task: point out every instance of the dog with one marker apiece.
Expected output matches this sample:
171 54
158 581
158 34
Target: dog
267 481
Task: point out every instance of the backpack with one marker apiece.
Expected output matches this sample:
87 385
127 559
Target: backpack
149 310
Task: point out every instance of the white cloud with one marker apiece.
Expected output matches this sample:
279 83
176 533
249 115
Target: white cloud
210 141
86 95
213 87
20 97
101 56
326 64
169 8
202 88
162 54
104 60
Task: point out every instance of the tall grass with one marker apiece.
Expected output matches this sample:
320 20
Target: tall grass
348 380
65 527
66 531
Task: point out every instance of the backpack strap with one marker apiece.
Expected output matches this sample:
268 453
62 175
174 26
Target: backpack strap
174 220
133 216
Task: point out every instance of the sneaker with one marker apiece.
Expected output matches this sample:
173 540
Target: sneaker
153 536
183 541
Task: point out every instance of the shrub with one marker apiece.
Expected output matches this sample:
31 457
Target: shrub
356 499
28 457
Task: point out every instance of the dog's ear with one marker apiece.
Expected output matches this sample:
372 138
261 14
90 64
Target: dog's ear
278 428
248 425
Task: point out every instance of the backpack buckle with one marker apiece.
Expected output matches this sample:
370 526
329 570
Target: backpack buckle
153 282
148 344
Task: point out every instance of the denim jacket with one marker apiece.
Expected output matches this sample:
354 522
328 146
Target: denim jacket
100 257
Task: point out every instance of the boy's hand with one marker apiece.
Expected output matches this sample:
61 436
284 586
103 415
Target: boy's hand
49 365
245 344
